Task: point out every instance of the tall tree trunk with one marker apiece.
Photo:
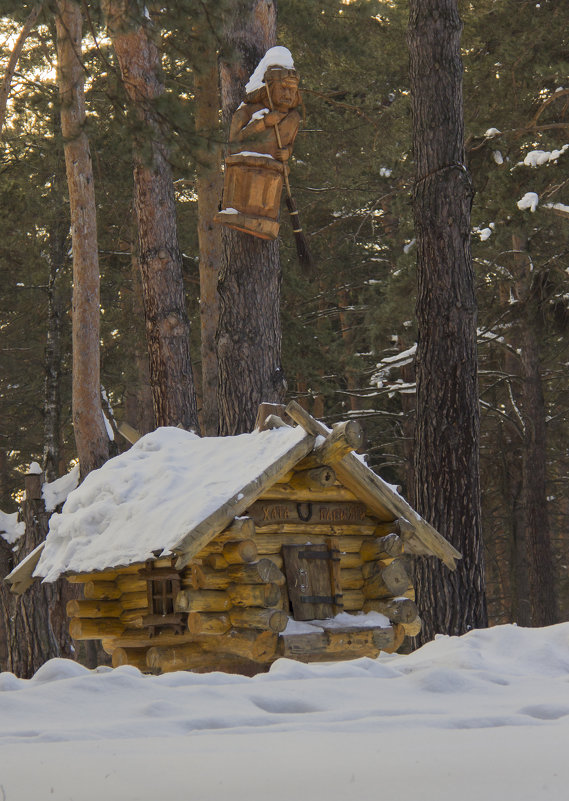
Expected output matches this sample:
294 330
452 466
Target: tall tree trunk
58 231
543 600
209 185
90 433
34 624
447 490
167 323
249 332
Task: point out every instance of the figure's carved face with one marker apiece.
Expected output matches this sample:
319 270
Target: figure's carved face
284 93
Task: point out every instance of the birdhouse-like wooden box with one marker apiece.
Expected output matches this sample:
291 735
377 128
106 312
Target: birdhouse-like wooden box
297 549
252 194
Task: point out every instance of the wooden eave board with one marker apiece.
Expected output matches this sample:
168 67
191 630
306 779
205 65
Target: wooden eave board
20 578
214 524
379 496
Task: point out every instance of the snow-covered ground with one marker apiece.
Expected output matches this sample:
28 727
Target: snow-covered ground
484 716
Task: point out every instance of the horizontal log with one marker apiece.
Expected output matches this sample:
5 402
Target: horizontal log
172 619
93 609
264 571
271 422
202 601
350 560
130 656
352 600
371 569
263 595
208 623
398 610
134 638
134 600
412 628
270 541
266 410
193 657
179 657
344 438
355 638
95 629
133 618
216 561
206 579
316 478
387 582
259 646
94 590
130 583
285 492
339 644
276 559
239 551
261 572
242 528
412 543
381 548
351 578
271 619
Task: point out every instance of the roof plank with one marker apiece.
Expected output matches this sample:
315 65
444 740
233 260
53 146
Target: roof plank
211 526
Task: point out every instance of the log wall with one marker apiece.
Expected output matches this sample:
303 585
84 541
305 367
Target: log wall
233 597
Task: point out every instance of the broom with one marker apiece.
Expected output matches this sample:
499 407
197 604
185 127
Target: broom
302 249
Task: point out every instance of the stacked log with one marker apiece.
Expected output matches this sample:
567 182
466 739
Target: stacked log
234 606
337 644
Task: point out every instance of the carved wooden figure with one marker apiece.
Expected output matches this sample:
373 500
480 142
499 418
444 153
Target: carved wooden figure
261 136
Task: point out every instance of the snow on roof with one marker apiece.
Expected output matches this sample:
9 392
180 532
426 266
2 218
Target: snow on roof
147 499
275 57
10 529
56 492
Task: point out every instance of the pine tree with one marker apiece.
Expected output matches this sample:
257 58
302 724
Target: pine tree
447 431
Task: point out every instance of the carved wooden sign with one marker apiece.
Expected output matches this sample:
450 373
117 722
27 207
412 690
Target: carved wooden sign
264 513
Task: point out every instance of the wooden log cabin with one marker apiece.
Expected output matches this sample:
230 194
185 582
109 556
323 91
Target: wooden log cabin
281 543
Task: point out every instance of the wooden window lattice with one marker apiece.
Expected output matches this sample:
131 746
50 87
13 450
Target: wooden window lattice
162 586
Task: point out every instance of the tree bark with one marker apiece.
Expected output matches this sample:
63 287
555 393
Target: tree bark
543 601
447 490
209 184
34 624
167 323
249 332
90 433
58 231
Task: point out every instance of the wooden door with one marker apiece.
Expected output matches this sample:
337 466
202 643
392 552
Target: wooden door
312 573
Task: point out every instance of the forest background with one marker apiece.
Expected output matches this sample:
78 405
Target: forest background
348 325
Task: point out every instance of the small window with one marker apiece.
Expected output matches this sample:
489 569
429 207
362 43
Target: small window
162 586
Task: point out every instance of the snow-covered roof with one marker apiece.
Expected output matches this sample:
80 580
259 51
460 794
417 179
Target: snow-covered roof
11 529
151 498
173 492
